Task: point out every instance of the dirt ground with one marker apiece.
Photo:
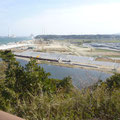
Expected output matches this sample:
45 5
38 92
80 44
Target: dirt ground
93 52
71 49
67 48
107 60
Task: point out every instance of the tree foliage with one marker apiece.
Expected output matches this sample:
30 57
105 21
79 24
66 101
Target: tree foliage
28 92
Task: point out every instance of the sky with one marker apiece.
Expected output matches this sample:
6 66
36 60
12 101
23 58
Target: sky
25 17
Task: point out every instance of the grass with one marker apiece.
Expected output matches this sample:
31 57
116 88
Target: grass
93 40
105 50
28 93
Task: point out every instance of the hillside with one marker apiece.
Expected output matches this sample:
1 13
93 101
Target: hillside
78 36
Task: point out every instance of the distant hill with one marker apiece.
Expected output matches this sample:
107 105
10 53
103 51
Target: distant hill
78 36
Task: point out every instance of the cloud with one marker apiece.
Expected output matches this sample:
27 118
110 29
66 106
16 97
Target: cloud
87 19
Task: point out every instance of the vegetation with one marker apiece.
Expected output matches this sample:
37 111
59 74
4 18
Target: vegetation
100 37
28 92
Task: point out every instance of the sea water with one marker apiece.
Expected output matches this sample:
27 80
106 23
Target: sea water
8 40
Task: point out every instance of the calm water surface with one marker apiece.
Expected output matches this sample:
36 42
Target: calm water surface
80 77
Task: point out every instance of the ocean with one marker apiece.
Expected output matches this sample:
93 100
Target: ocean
6 40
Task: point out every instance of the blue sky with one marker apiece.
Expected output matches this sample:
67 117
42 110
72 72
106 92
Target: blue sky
24 17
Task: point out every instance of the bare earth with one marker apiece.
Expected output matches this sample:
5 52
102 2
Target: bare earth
71 49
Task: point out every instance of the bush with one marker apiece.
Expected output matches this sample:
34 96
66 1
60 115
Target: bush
28 92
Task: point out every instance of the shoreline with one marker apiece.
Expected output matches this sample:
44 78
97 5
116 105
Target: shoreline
105 69
12 45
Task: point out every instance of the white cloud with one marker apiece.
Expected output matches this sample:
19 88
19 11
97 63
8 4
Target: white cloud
101 18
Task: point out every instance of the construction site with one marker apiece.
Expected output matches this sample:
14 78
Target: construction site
64 53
